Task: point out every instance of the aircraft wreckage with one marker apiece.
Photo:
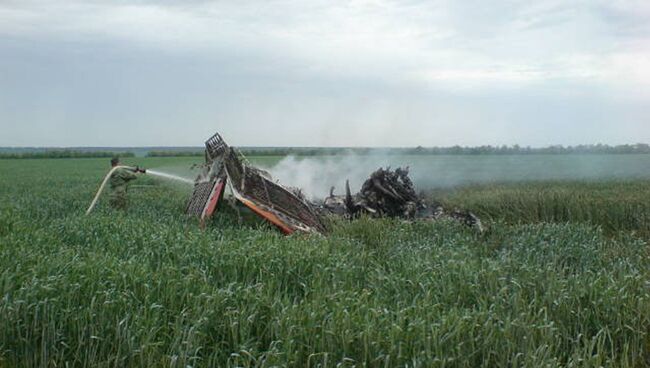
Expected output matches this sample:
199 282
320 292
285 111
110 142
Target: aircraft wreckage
386 193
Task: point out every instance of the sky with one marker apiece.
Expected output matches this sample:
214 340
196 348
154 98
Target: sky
324 73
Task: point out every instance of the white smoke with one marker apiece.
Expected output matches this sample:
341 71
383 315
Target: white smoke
316 175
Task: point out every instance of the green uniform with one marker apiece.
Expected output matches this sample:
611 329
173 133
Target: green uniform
117 183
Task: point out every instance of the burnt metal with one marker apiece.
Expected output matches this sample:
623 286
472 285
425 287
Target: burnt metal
200 197
386 193
255 189
391 193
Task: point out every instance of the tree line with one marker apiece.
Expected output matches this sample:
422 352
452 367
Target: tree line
331 151
519 150
454 150
64 153
172 153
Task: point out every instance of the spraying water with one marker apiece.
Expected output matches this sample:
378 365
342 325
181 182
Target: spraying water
171 177
151 172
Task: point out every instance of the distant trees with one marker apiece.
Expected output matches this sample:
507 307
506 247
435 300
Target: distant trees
301 151
419 150
455 150
331 151
172 153
63 153
518 150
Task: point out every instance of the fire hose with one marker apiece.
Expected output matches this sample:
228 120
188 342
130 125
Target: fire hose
101 187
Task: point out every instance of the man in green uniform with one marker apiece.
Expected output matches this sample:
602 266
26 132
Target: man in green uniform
118 184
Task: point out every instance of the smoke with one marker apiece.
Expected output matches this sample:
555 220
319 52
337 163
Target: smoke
315 175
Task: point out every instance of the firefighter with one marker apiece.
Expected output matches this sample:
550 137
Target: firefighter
118 184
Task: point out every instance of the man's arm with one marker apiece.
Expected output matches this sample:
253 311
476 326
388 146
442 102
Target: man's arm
127 175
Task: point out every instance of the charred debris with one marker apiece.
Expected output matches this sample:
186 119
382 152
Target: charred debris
386 193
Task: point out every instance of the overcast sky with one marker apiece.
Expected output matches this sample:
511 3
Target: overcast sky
324 73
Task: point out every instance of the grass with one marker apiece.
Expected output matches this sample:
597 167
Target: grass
615 206
544 287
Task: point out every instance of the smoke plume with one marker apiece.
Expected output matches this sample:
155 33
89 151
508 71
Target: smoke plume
315 175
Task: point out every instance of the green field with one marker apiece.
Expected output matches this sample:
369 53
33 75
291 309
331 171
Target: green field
560 278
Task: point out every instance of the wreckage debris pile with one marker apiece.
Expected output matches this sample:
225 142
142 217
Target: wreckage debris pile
391 193
388 193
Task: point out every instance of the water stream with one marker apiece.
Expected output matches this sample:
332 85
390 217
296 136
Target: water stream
170 176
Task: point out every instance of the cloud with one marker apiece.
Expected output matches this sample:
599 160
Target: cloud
312 68
427 42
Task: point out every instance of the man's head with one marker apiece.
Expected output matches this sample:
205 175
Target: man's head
115 161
